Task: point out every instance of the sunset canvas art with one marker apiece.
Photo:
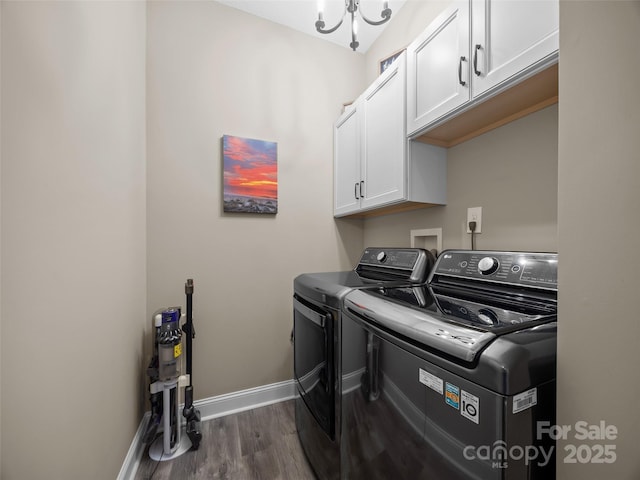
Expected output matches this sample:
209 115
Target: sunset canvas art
250 175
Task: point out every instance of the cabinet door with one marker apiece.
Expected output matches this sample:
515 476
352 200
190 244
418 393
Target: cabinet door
384 138
346 157
510 36
438 68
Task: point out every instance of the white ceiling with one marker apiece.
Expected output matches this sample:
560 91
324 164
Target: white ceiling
301 15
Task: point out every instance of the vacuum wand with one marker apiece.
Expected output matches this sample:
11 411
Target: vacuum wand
188 326
189 412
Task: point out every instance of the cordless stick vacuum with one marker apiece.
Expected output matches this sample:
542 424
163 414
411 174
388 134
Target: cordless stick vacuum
190 413
165 382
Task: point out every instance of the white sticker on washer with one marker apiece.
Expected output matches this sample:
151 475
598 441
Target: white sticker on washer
431 381
470 407
525 400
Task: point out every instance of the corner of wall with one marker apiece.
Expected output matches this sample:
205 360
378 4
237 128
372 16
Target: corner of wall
1 4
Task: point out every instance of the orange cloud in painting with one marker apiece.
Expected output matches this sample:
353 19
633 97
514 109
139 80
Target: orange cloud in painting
250 167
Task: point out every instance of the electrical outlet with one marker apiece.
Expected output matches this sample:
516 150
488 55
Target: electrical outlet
474 214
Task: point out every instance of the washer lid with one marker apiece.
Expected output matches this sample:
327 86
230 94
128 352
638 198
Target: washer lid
457 340
457 323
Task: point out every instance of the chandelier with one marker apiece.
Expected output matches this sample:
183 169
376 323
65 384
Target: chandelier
351 6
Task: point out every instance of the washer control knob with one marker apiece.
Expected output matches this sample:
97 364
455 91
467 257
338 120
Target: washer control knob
488 265
381 257
488 317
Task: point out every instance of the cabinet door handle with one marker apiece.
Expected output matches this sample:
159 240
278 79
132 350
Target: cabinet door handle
462 59
355 191
361 185
475 60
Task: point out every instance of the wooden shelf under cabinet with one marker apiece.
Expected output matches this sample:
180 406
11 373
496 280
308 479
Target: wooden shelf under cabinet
389 209
529 96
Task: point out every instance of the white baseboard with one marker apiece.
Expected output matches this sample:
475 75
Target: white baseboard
136 449
351 380
211 408
251 398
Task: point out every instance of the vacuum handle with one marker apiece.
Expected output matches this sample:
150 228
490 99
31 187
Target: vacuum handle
188 326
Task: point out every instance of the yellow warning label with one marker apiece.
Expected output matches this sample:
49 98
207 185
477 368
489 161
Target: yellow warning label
177 350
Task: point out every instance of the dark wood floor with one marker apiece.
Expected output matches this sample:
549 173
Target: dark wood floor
260 444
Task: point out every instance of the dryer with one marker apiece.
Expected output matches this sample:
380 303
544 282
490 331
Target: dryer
317 336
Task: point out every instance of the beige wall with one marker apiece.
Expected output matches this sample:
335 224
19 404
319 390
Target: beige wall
73 236
0 242
72 152
598 205
213 70
511 173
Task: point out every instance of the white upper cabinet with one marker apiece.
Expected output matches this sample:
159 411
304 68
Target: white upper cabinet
346 138
473 50
375 166
508 37
438 68
384 137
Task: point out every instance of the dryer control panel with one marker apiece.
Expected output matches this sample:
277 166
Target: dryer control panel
526 269
411 264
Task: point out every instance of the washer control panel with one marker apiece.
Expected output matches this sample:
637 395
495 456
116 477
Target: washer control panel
516 268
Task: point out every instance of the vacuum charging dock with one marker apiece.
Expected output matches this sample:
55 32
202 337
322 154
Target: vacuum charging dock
161 449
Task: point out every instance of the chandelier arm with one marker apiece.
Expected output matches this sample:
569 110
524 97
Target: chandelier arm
320 26
320 23
385 14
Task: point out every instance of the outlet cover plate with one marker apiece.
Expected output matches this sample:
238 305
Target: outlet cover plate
474 214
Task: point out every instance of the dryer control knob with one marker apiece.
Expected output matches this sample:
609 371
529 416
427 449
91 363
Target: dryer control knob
381 257
488 265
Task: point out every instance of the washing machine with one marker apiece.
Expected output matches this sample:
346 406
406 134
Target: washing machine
455 378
